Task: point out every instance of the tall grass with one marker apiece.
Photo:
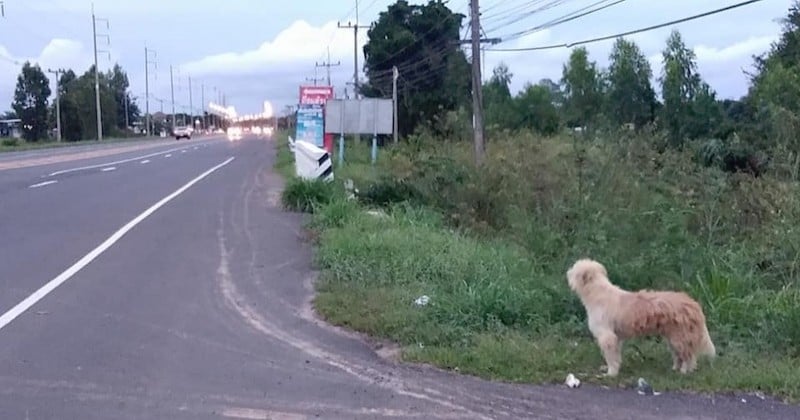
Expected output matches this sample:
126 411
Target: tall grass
491 246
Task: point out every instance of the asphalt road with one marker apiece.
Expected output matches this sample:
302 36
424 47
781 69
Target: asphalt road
173 287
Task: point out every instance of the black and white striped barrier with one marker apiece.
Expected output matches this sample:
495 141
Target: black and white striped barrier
312 162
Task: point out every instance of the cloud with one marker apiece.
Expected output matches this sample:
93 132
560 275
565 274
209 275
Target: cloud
301 45
57 54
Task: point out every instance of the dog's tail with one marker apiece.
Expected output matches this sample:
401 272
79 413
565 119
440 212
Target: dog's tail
706 345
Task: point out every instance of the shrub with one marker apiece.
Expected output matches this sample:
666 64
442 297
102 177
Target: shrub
306 195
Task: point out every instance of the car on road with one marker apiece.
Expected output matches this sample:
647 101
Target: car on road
234 133
182 132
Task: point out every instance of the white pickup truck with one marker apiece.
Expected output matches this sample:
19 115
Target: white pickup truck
182 132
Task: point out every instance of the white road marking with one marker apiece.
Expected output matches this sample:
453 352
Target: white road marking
145 161
195 148
183 151
168 155
38 295
42 184
100 165
110 168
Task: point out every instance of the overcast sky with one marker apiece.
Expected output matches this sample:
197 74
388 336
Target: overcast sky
263 50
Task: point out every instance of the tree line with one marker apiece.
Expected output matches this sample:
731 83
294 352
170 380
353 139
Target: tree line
32 103
423 42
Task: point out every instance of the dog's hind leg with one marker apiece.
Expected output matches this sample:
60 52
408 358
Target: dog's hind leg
611 347
676 359
689 365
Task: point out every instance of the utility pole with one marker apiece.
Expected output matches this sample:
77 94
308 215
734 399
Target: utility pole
58 101
191 110
215 117
314 80
127 117
395 75
147 63
355 28
97 70
328 65
172 93
203 102
477 92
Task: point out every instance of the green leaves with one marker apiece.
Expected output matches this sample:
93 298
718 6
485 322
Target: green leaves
422 41
30 101
582 88
631 98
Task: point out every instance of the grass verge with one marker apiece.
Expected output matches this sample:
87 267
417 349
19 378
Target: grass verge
490 248
9 145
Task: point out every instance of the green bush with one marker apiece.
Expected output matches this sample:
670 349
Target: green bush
10 142
387 191
306 195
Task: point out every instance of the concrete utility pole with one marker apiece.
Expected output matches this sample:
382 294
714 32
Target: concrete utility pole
58 103
191 109
395 75
172 93
97 70
147 62
354 27
477 93
203 102
328 65
127 117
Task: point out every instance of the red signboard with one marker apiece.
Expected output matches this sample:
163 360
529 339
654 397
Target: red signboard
315 94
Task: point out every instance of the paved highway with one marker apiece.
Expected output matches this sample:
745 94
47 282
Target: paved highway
167 284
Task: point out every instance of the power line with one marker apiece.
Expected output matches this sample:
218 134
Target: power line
576 14
522 15
623 34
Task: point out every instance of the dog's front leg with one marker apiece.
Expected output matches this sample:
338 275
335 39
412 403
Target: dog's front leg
611 346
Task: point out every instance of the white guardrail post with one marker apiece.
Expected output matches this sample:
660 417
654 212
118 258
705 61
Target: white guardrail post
312 162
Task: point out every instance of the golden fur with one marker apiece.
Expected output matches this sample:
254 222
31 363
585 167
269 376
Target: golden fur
615 315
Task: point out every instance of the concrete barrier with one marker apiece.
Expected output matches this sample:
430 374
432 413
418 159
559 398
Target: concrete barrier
312 162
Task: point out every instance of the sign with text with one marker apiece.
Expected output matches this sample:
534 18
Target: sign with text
310 124
315 94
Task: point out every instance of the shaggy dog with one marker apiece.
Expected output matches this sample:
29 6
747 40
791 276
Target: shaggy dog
615 315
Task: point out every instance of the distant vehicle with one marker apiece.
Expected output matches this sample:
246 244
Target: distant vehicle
234 133
182 132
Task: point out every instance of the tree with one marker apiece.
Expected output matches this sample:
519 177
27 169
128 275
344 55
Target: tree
582 89
631 98
556 94
686 97
118 85
497 98
30 101
71 124
536 110
422 41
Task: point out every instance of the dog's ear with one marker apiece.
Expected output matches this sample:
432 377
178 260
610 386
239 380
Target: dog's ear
586 277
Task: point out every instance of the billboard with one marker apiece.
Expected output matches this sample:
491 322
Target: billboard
359 116
313 118
310 124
